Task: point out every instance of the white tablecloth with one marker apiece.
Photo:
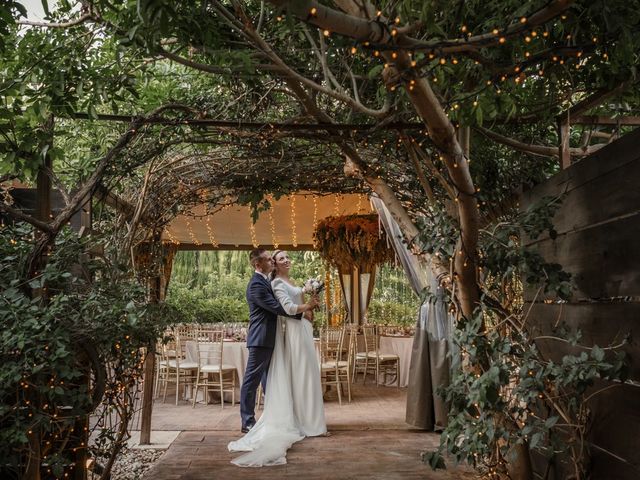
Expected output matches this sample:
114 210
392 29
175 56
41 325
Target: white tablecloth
401 346
233 353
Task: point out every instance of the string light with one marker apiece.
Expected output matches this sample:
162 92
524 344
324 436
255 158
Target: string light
252 230
336 209
212 239
315 212
192 235
272 223
172 239
294 235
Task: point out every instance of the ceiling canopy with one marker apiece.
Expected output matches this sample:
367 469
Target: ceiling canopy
288 224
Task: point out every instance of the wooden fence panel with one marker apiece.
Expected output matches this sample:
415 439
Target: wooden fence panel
598 242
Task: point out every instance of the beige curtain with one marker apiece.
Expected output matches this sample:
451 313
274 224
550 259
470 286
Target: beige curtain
430 365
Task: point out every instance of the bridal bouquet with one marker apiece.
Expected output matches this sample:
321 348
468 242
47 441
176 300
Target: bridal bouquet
313 286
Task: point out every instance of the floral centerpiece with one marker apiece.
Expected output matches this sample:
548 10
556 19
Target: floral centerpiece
352 240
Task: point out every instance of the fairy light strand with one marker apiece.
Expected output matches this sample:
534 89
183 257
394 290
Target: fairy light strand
294 235
212 237
192 235
252 230
272 223
172 239
315 212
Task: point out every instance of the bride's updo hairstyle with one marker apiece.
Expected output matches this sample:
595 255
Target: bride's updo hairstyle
275 264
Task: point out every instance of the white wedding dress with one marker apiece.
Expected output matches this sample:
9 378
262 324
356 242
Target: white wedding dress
293 405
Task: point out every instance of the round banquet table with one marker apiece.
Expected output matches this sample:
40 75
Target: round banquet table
233 353
402 347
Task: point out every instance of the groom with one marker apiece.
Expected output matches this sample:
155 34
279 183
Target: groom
264 309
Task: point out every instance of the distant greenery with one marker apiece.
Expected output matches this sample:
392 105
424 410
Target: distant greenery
209 287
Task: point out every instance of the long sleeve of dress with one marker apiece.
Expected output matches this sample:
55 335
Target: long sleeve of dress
281 291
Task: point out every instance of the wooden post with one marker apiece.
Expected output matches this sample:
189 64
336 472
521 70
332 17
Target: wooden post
147 396
355 296
155 289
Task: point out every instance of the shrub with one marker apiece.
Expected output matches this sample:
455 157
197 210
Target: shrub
195 306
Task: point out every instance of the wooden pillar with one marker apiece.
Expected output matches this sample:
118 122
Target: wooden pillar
155 292
355 296
147 396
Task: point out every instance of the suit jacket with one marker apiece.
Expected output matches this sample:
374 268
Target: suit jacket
264 309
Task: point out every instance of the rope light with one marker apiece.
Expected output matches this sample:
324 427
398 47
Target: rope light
294 235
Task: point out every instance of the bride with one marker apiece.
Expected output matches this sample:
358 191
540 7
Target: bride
293 405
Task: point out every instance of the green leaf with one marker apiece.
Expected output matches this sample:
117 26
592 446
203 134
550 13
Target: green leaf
479 115
375 72
551 421
535 439
435 460
597 353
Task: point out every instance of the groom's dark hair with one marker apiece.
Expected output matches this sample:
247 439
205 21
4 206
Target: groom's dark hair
254 255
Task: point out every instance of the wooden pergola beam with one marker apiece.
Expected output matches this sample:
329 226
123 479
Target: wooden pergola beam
114 201
569 117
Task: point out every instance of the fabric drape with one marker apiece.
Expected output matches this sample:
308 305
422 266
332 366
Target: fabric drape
430 365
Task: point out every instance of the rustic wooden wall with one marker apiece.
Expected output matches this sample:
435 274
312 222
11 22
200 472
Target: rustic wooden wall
598 242
26 200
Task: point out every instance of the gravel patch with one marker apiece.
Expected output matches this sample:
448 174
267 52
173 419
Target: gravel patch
131 464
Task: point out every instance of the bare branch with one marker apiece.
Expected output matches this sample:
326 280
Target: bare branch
287 71
70 23
19 215
540 150
408 145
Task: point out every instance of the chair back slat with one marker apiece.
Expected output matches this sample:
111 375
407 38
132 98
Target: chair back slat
332 343
370 338
210 344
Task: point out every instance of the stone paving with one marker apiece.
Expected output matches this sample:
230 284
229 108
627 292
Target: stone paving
369 440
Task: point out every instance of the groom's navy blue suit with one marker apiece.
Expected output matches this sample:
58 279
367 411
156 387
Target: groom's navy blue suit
264 309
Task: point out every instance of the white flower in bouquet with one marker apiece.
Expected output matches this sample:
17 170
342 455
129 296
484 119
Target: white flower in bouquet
313 286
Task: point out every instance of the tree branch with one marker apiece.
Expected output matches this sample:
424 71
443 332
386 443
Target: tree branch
70 23
540 150
379 34
260 43
19 215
